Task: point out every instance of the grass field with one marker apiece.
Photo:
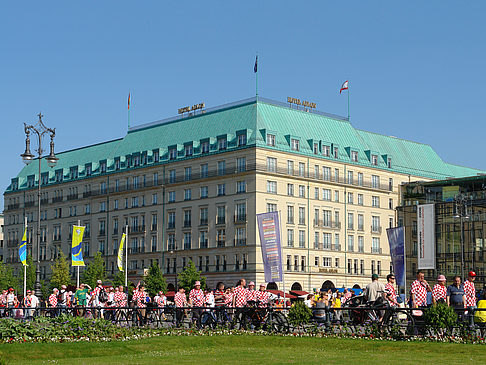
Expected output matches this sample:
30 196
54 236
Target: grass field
242 349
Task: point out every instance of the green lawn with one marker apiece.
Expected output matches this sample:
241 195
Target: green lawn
238 349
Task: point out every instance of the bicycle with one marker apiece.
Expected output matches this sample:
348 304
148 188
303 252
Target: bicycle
214 318
266 318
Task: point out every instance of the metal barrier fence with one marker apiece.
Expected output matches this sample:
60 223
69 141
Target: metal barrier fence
352 320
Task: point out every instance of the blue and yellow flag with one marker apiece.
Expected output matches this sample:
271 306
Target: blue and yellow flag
76 250
120 252
23 248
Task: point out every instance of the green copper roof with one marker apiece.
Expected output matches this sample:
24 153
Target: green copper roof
256 119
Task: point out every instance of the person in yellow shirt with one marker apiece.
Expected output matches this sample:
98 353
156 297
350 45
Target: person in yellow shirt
336 303
480 316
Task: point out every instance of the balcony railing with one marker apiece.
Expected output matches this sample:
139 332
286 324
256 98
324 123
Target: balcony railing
240 241
57 200
376 250
187 224
29 204
203 222
171 225
72 197
220 243
220 220
13 206
153 227
375 229
240 218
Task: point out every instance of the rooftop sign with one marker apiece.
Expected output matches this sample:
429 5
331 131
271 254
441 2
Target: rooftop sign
188 109
304 103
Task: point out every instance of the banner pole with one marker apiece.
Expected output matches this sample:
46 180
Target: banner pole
126 258
25 266
77 267
281 255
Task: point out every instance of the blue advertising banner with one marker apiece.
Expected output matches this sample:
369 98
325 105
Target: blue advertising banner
396 239
269 229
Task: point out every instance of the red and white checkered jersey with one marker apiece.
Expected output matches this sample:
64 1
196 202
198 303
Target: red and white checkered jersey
3 300
470 292
439 292
53 300
420 292
96 292
139 297
161 301
196 297
263 297
251 295
240 295
390 289
228 301
346 297
120 299
180 300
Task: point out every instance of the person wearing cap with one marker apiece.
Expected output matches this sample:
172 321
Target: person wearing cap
12 300
196 300
470 290
418 291
439 291
139 298
251 292
391 294
263 296
374 290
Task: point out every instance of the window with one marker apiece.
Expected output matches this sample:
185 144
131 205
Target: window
154 244
172 177
240 236
350 177
187 173
187 241
240 187
290 214
241 164
350 198
221 214
373 267
240 215
326 194
360 244
271 207
172 196
172 153
294 144
326 150
336 195
375 245
221 189
390 203
290 189
290 167
156 155
375 201
203 216
389 163
221 167
350 243
301 169
374 160
316 193
350 220
360 222
171 242
271 140
316 148
296 263
272 187
203 239
302 215
354 156
187 194
188 150
222 143
378 267
221 237
103 207
361 267
289 262
375 224
271 164
290 238
205 147
204 192
326 241
316 261
241 140
360 199
326 173
336 152
154 199
316 217
375 181
302 263
355 267
171 220
316 171
336 175
301 239
204 170
326 262
390 184
302 191
187 218
390 222
326 218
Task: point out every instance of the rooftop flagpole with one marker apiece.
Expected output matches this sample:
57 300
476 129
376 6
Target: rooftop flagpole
129 110
255 70
345 86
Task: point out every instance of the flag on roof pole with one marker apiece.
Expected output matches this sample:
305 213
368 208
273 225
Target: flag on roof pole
344 87
255 68
76 248
120 252
23 248
128 101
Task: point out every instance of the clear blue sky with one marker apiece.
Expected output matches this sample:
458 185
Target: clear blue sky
416 68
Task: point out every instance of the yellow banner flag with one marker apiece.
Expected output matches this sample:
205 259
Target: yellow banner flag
76 248
120 252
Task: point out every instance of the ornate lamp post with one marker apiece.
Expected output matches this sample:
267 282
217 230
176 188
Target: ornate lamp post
40 130
462 201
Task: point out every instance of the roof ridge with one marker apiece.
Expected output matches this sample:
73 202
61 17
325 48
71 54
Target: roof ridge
394 137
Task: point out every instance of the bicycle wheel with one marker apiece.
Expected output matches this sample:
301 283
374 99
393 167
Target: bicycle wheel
276 322
206 320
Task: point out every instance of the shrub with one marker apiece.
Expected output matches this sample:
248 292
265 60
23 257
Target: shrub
299 314
440 317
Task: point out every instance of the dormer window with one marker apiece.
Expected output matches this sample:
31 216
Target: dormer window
374 160
30 181
136 160
103 167
335 152
45 178
172 154
188 150
59 175
15 184
222 143
88 169
389 163
316 148
117 163
73 173
354 156
326 151
241 140
295 144
205 147
156 156
271 140
144 158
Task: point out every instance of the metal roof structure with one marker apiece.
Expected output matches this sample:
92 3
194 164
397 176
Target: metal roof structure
256 118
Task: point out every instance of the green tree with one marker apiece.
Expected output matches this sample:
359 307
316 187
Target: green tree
31 267
7 277
155 281
60 272
189 276
94 271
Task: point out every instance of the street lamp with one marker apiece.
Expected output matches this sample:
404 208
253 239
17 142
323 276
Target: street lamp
461 212
40 129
